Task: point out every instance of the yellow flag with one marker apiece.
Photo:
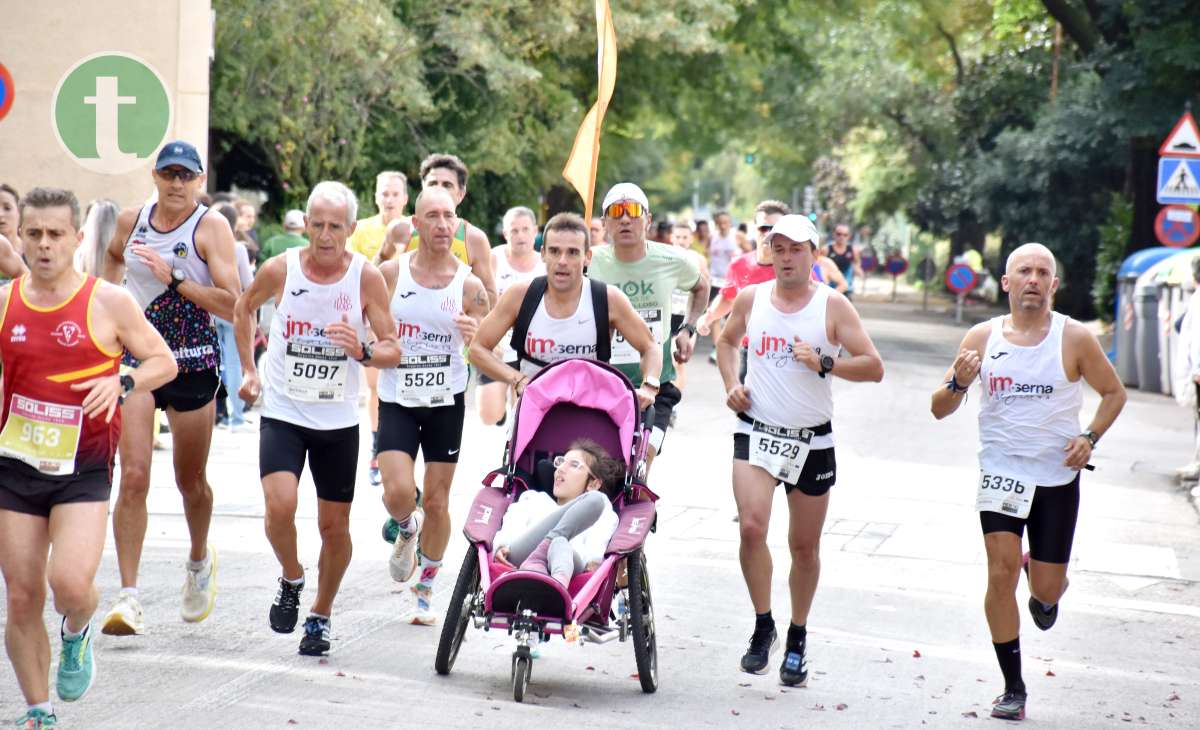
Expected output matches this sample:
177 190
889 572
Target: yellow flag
585 154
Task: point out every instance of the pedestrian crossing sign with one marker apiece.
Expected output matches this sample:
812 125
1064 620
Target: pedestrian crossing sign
1177 180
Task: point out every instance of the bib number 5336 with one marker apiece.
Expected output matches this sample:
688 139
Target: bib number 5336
1005 494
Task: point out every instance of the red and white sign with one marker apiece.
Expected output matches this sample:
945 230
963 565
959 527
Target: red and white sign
1184 139
1177 226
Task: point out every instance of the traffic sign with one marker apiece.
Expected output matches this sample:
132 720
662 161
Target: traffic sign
961 278
1177 225
1177 180
1184 139
868 262
7 91
896 265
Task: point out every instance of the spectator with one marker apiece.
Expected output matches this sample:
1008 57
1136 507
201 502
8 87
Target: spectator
292 236
247 218
99 225
10 215
1187 370
233 413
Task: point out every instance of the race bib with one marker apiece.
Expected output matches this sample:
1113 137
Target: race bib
43 435
624 353
1005 494
424 380
780 451
315 373
679 301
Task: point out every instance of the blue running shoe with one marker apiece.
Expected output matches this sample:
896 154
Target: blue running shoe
37 719
76 665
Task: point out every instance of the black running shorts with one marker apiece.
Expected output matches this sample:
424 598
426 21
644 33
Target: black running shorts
1051 522
817 476
332 456
436 432
23 489
188 391
485 380
664 403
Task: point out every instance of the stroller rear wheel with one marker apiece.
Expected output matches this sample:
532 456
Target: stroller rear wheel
641 622
458 614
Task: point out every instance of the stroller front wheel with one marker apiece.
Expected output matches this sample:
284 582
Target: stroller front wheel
522 669
458 614
641 622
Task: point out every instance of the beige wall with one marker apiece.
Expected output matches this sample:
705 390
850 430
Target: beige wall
41 41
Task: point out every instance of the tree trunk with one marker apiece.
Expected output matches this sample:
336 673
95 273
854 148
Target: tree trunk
1141 187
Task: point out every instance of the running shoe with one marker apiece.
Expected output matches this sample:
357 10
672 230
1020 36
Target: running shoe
1043 617
1009 706
794 670
124 618
37 719
286 608
200 590
373 473
76 665
763 643
316 637
423 614
391 529
403 562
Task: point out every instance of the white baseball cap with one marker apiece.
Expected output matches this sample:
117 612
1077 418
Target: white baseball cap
796 227
625 191
293 219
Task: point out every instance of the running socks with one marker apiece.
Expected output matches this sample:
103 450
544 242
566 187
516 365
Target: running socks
429 571
1009 656
45 707
763 621
405 526
797 635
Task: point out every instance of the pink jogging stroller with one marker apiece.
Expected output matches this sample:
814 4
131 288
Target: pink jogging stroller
565 401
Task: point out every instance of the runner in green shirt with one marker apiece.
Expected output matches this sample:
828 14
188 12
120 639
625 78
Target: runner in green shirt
292 236
648 273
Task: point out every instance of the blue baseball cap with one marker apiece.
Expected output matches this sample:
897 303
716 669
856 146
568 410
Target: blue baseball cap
179 153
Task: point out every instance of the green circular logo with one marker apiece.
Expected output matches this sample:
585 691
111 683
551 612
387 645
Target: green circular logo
111 112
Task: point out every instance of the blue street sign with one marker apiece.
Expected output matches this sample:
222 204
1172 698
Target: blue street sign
1177 180
960 278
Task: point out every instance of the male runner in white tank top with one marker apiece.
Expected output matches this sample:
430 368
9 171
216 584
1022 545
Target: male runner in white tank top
318 345
1029 364
180 266
437 304
514 262
796 328
563 325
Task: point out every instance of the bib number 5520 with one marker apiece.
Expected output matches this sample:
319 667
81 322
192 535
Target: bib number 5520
425 379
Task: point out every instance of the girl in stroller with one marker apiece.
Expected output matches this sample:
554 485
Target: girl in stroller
568 533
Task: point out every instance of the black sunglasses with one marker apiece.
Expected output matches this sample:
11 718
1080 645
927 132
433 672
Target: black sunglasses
177 173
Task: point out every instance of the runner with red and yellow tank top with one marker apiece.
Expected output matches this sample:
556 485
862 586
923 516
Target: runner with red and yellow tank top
62 334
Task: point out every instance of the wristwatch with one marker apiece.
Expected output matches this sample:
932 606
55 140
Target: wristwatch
691 329
1091 436
368 351
827 362
652 382
177 278
127 386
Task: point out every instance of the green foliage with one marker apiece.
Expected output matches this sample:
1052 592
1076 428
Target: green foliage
1114 233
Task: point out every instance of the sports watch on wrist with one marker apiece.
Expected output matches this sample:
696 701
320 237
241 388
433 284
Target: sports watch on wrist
652 382
1092 437
691 329
368 351
827 362
127 386
177 278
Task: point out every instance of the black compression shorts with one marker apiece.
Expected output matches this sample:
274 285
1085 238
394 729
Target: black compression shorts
1051 522
816 478
436 432
332 456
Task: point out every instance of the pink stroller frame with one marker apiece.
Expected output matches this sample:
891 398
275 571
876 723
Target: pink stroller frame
564 401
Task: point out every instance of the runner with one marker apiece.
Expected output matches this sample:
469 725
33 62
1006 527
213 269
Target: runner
681 238
555 317
648 272
11 263
369 239
470 244
311 381
514 262
846 257
179 265
63 334
437 304
797 329
599 237
1029 364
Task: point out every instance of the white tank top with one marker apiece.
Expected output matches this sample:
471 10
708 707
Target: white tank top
784 392
551 340
1030 409
307 380
432 368
187 328
506 276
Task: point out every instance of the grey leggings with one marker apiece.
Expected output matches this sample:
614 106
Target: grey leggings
560 526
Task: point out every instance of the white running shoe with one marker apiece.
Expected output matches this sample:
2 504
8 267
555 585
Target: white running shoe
403 562
200 590
423 614
124 618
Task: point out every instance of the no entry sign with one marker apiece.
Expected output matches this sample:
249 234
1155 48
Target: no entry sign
896 265
1177 225
960 278
6 91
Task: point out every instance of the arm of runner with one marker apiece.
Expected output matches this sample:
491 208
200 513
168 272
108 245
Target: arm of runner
475 308
11 263
858 269
480 252
399 233
834 274
720 307
624 318
214 242
1100 374
135 334
267 283
114 253
864 364
685 341
494 326
737 395
386 352
962 372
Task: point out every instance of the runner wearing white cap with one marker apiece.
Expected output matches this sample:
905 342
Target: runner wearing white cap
784 435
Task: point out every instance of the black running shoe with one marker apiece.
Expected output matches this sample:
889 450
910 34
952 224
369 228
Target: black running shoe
1043 618
794 670
316 637
763 643
285 609
1009 706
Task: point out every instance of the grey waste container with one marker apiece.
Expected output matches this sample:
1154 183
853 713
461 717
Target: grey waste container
1145 314
1125 329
